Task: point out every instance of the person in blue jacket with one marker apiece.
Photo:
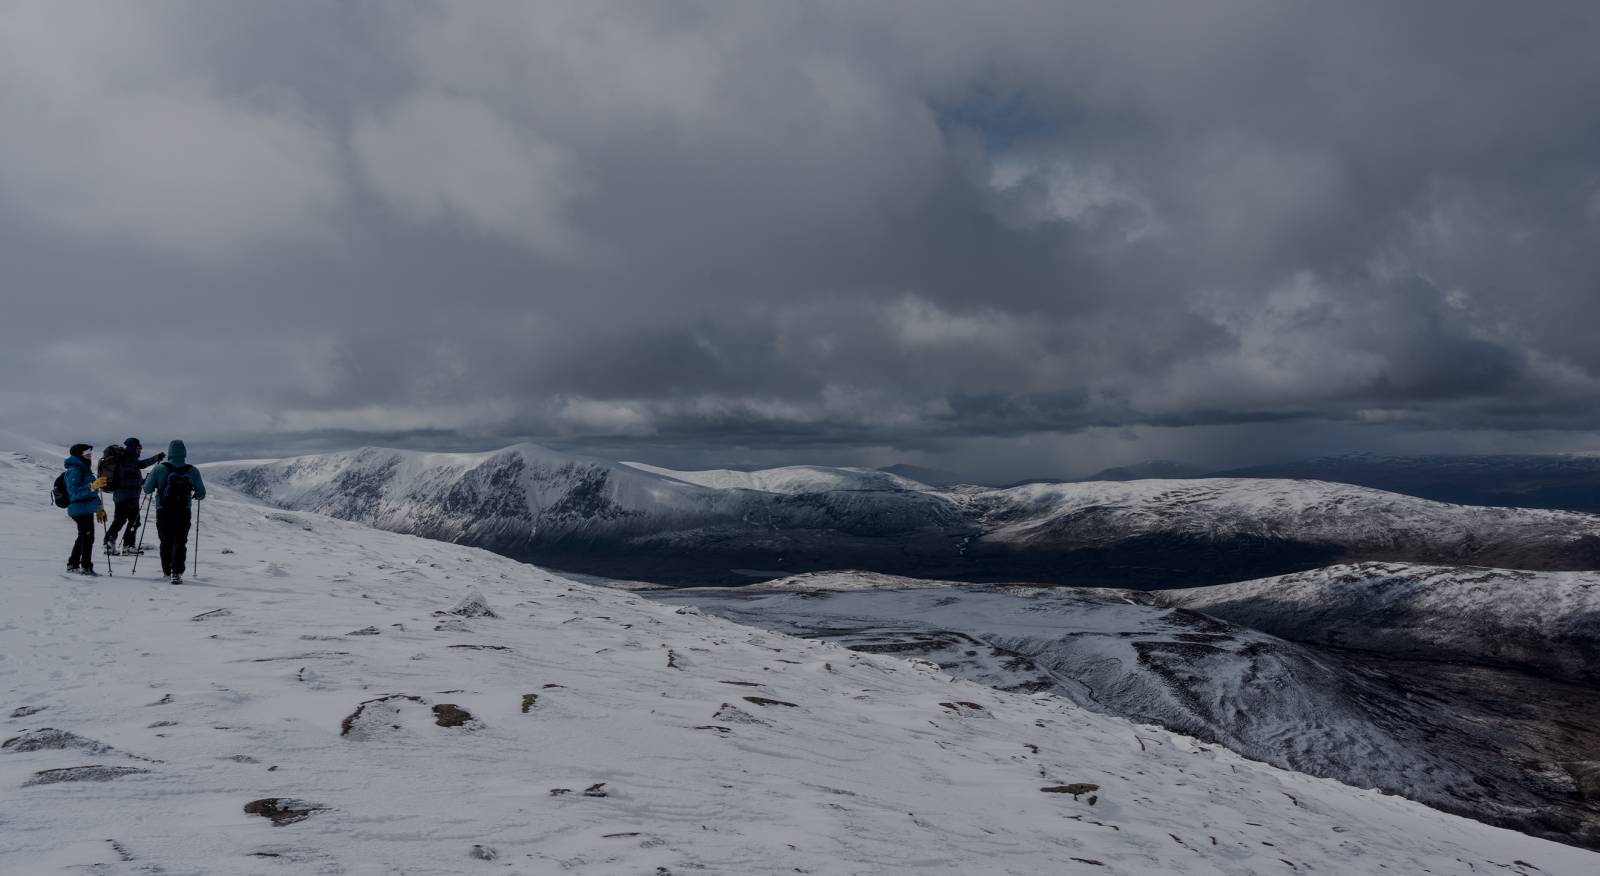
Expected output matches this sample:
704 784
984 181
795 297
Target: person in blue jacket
83 489
174 482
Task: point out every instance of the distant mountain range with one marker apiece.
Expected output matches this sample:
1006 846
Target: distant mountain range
1564 482
1568 482
724 525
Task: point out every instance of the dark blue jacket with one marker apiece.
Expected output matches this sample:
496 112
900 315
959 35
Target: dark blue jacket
130 475
80 489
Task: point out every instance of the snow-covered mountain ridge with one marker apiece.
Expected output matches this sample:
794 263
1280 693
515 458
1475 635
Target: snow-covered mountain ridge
352 678
1546 622
635 521
789 478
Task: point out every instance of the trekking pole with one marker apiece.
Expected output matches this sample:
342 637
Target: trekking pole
107 545
197 505
138 549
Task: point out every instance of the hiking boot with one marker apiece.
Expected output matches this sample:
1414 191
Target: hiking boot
129 550
88 572
74 569
177 579
111 551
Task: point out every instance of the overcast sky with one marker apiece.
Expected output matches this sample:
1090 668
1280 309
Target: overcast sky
1004 238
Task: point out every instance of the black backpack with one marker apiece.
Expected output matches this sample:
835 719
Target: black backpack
179 487
110 467
58 491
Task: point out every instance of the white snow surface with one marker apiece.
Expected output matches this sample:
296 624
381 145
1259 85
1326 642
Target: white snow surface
233 687
1304 510
841 580
1546 621
789 478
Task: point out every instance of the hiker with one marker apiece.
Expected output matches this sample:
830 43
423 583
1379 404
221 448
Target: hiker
123 481
174 482
83 494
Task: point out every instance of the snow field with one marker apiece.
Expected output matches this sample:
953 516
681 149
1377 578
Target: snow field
239 687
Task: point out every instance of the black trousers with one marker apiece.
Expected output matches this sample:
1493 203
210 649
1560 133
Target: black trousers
172 525
83 548
127 512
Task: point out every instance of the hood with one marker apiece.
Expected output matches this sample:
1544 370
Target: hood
176 452
75 460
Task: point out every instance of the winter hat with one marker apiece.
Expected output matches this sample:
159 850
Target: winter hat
132 443
79 450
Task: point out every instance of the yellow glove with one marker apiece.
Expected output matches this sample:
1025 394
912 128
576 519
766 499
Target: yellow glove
100 515
99 484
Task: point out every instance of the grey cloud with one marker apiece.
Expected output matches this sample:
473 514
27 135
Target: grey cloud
843 230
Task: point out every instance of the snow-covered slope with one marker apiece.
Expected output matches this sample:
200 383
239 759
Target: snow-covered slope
1506 749
631 521
1548 622
317 664
788 479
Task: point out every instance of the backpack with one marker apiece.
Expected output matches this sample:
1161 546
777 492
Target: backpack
58 491
179 488
110 466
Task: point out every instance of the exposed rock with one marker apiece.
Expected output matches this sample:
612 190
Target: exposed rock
768 701
472 605
483 853
452 625
25 711
451 715
1076 789
528 702
376 716
1586 777
728 713
364 631
92 773
212 614
282 810
51 739
967 710
481 647
595 790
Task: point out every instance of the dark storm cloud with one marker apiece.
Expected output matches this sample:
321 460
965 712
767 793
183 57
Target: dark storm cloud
955 231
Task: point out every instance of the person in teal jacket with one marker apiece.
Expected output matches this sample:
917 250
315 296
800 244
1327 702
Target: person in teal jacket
83 492
174 482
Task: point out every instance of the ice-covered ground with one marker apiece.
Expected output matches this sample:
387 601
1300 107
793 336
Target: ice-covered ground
316 664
